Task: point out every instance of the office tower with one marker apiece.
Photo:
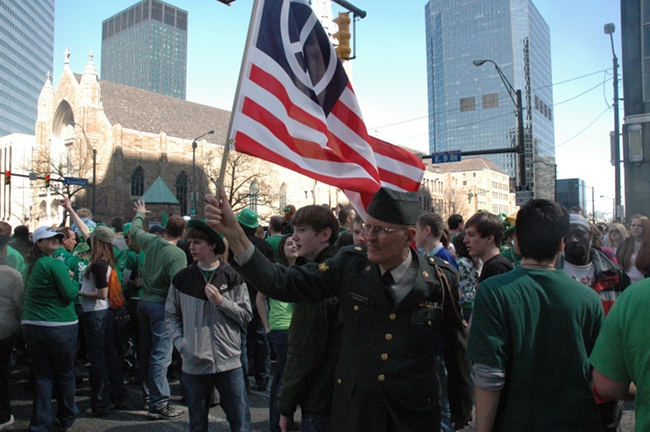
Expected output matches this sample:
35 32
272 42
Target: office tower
145 46
26 57
470 108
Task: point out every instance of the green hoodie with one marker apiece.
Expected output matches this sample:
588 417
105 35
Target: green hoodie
162 261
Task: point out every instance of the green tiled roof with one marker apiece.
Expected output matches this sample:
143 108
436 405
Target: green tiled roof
159 193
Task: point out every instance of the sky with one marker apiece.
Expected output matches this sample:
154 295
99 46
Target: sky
389 73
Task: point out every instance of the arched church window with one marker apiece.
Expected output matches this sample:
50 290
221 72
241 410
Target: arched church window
253 195
137 182
283 197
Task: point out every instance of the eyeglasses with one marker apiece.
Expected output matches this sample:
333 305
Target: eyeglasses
380 232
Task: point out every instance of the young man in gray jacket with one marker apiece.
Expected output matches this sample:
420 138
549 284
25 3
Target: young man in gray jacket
206 306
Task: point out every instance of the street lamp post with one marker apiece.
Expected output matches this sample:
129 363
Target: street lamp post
515 95
194 145
93 151
609 29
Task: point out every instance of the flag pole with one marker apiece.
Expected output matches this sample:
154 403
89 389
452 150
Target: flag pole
229 141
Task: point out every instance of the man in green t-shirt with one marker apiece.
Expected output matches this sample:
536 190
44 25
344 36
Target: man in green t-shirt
621 357
532 331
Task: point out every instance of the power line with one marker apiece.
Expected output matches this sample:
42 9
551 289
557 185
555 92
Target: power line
584 92
583 130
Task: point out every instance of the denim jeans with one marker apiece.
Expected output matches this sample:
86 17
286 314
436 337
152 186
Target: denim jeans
52 350
445 412
106 379
278 339
234 401
155 352
314 423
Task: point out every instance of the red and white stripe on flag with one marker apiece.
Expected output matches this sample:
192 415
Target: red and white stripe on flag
296 108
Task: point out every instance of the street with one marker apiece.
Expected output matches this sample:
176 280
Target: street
132 417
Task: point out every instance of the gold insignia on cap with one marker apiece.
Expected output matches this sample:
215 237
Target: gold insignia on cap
323 267
425 274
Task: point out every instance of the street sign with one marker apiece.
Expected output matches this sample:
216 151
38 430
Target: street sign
448 156
73 181
33 176
523 195
193 212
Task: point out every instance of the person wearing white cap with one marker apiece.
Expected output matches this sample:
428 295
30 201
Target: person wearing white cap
50 331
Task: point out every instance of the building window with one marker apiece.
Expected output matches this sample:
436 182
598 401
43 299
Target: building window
137 181
253 195
182 191
283 197
491 100
467 104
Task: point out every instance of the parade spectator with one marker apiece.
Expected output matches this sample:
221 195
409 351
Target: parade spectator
483 236
469 268
591 267
386 378
456 225
597 243
633 254
621 357
256 347
21 241
275 235
428 233
276 325
314 337
616 234
205 308
14 258
345 217
50 332
357 231
523 322
163 260
289 210
11 308
116 224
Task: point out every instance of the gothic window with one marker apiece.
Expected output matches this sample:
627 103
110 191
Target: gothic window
137 181
182 192
253 195
283 197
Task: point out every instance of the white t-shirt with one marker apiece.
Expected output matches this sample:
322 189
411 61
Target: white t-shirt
88 285
634 273
585 274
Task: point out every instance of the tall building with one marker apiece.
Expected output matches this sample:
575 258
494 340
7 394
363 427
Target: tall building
635 154
470 108
145 46
571 193
26 56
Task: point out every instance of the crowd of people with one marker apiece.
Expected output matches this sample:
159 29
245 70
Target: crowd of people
396 320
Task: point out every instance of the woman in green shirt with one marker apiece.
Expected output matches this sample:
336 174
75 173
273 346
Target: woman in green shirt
50 331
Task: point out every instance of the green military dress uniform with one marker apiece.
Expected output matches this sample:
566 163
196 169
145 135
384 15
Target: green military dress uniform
386 378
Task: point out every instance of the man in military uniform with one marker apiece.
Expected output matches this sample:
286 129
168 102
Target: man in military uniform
394 303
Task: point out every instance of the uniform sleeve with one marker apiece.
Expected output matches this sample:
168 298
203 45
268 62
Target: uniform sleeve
174 317
608 355
309 283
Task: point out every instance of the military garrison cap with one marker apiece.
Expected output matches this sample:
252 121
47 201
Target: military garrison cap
389 205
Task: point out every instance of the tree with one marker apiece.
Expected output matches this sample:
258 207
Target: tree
248 183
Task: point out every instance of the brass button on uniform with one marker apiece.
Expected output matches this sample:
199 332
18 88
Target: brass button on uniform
430 323
392 316
381 377
356 307
384 356
389 336
338 380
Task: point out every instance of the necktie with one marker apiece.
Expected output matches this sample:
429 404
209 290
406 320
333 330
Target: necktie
387 279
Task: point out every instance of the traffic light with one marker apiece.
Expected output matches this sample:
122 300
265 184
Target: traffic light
7 178
343 35
47 181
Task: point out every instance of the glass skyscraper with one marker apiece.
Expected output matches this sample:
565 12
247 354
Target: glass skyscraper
26 56
145 46
469 106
